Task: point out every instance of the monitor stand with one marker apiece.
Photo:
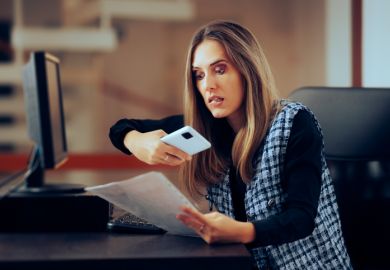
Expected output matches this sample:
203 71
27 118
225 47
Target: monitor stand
35 183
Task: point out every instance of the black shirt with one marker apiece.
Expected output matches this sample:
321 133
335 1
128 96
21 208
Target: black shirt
301 182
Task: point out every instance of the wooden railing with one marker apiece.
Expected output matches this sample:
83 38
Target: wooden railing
82 161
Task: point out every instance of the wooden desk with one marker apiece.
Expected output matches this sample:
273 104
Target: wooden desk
116 251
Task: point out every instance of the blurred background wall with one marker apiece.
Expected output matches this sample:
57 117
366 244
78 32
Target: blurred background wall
140 74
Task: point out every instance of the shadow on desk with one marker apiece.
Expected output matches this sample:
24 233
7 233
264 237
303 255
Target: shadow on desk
117 251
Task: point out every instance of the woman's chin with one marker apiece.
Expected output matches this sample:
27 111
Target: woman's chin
218 114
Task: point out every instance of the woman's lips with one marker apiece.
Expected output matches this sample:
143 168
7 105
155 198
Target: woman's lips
215 100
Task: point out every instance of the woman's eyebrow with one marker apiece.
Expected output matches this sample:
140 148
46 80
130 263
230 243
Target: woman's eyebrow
212 64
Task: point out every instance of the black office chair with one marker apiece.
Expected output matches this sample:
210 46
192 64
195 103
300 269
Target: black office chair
356 126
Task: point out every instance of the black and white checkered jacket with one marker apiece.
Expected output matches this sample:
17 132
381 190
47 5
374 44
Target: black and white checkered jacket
324 248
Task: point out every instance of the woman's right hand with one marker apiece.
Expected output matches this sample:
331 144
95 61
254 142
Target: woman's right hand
148 148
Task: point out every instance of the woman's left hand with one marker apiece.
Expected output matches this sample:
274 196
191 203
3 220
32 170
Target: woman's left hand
215 227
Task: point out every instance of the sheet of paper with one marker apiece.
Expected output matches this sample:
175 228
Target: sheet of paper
150 196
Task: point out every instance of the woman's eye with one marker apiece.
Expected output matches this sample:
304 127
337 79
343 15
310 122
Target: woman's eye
198 75
220 69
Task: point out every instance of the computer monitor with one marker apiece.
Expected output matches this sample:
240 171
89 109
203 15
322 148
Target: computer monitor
45 120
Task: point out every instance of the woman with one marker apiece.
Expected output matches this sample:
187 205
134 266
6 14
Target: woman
265 174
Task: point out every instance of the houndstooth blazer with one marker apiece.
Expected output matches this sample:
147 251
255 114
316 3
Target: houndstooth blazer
324 248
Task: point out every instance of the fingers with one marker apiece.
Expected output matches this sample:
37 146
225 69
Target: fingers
168 159
194 214
190 222
176 152
172 156
199 228
159 132
149 148
201 223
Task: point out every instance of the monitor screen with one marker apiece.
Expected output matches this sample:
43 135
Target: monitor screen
59 151
45 118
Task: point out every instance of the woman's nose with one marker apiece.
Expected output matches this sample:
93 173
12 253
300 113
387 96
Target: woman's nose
209 83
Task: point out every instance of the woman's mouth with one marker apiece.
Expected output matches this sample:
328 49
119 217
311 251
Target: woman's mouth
215 100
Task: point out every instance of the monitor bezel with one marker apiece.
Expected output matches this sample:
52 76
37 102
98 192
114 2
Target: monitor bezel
42 134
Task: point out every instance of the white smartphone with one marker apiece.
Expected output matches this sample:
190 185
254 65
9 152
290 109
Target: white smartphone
188 140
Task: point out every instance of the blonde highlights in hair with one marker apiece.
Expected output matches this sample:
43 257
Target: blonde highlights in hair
247 56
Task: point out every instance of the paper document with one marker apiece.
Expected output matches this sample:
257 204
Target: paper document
150 196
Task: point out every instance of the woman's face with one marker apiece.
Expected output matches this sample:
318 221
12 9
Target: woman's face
219 82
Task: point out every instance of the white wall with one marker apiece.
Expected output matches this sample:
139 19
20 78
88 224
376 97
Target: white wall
338 43
376 43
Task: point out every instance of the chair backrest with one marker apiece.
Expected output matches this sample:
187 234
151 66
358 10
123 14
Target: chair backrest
355 123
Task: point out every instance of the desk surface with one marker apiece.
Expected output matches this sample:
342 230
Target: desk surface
102 250
116 251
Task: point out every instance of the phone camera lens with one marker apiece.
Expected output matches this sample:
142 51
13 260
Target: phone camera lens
187 135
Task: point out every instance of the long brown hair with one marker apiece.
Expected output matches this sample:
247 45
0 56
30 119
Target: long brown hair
248 57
